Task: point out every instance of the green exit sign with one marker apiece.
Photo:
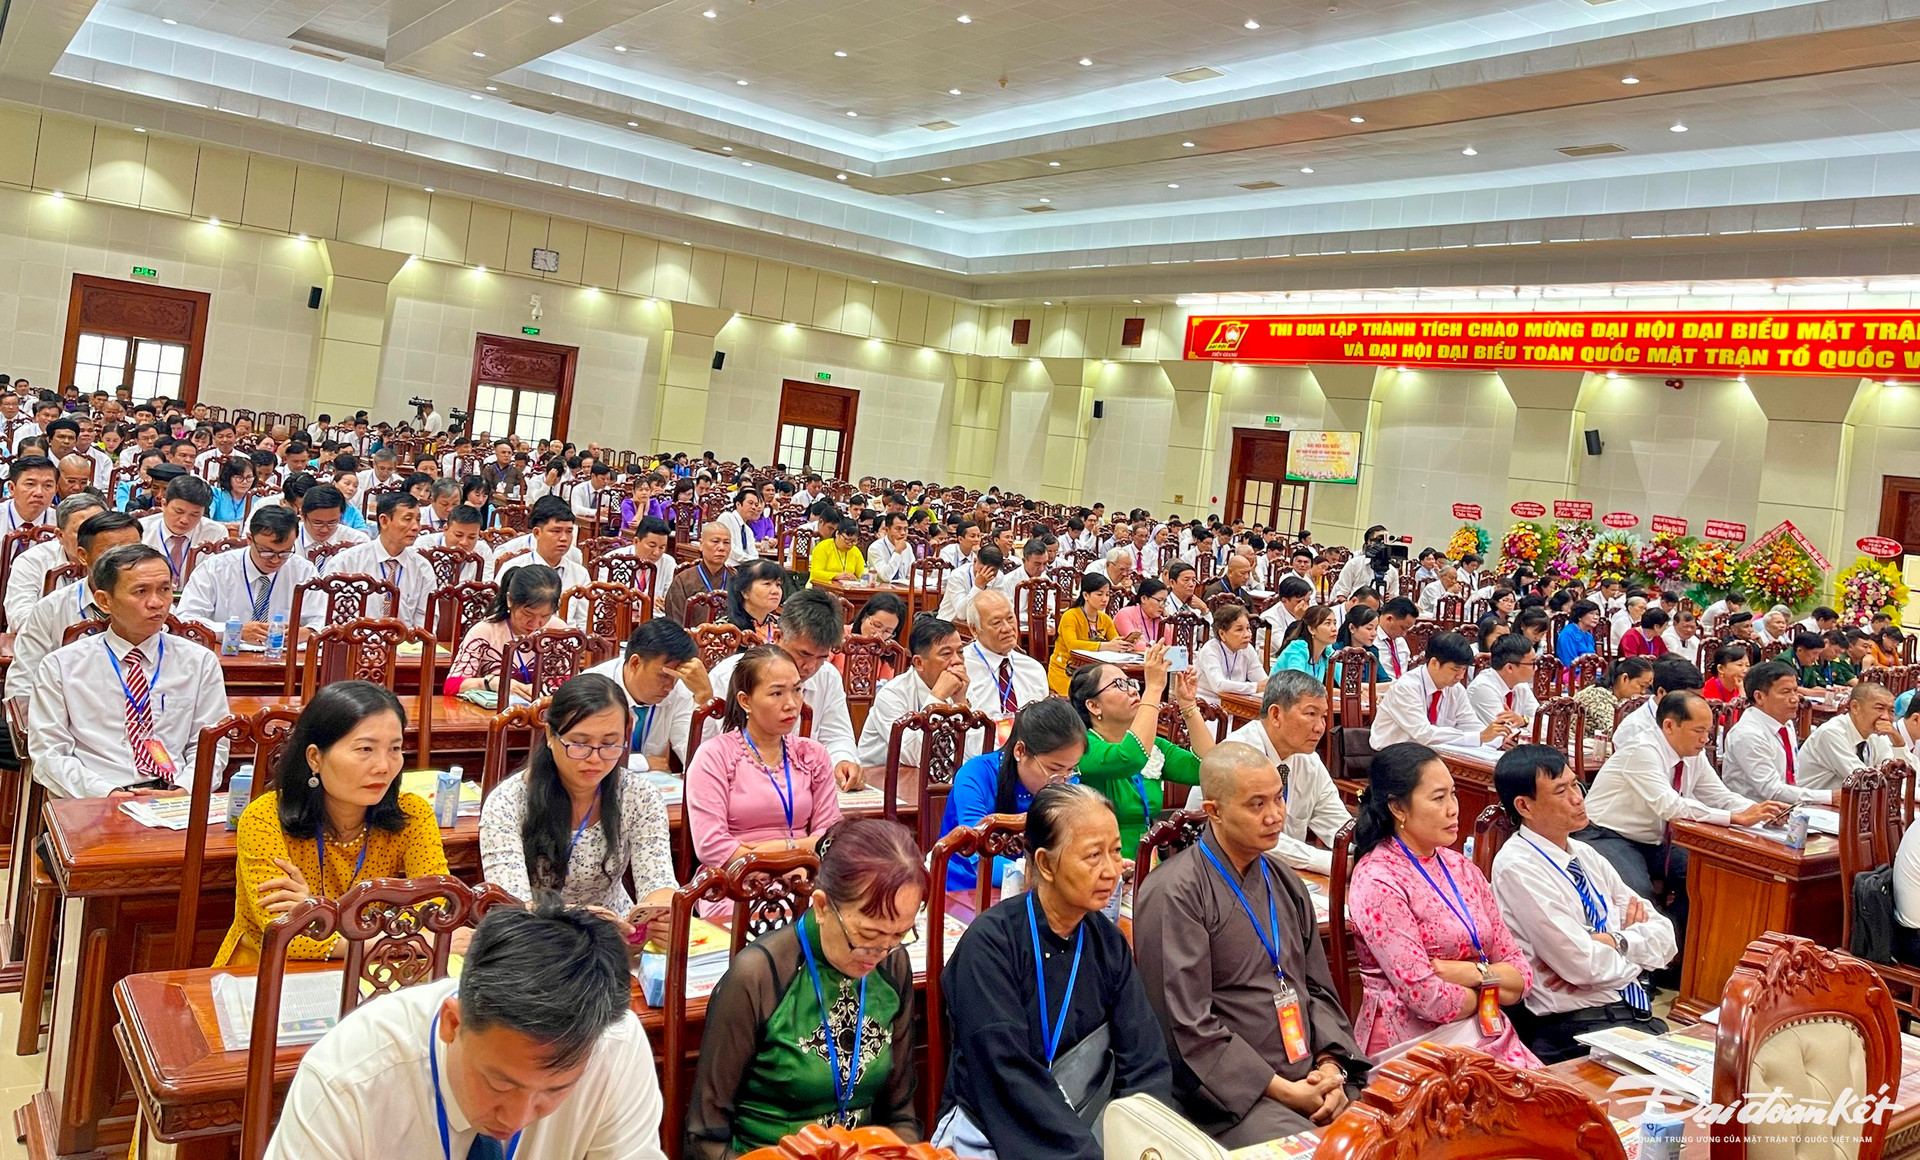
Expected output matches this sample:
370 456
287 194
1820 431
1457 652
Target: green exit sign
529 330
823 376
1274 420
145 272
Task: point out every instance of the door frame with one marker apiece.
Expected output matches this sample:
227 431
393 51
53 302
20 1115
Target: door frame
1891 488
526 364
1236 478
193 333
790 411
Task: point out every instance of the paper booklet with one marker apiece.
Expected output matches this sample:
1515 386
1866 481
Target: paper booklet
309 1007
1683 1062
170 813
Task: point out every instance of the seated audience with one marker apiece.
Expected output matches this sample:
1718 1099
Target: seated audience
1683 637
550 544
1757 759
525 604
336 796
1039 977
810 629
391 556
977 575
47 620
1671 674
1293 717
935 674
1222 949
1431 707
1228 663
1000 677
707 573
1648 637
181 525
1862 735
1083 625
1145 620
1726 681
1588 937
1233 580
1045 746
664 681
813 1023
245 585
1506 685
1576 639
755 590
1309 643
27 575
1437 962
1629 677
1126 757
839 558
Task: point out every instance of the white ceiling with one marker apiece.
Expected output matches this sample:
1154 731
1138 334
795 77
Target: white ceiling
1797 115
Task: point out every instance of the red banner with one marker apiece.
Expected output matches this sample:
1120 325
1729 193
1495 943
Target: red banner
1526 509
1620 520
1726 530
1663 525
1572 509
1786 528
1466 511
1880 547
1872 344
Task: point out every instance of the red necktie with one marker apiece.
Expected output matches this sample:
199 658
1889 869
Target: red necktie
1509 700
140 717
1008 702
1786 743
1679 767
1433 709
1393 654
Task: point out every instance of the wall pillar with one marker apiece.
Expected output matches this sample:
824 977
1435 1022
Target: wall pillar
686 369
1192 441
1338 512
1549 421
1809 457
980 386
1069 424
353 326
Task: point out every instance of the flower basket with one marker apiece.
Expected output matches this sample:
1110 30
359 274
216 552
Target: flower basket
1614 556
1521 545
1467 539
1867 586
1780 572
1664 558
1572 540
1714 566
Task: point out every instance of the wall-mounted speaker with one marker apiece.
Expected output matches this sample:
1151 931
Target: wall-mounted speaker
719 359
1099 408
1593 441
313 298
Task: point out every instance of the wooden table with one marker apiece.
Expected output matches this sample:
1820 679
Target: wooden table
857 595
1741 885
252 674
1082 657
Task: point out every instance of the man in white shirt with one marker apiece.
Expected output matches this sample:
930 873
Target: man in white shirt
1683 638
586 497
1446 584
1295 596
255 584
743 545
43 628
445 495
664 682
1183 591
1142 552
552 545
27 575
224 439
181 525
124 708
1652 782
1822 620
32 481
1293 717
1359 571
1671 674
649 546
321 510
1861 736
1506 686
1430 705
1396 658
1757 758
391 556
1033 566
461 531
890 556
384 473
959 551
810 629
1721 609
1588 936
964 583
935 673
534 1052
1000 678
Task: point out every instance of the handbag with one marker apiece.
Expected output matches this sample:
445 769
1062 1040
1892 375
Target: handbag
1139 1127
1085 1075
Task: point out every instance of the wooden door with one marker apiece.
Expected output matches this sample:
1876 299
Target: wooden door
148 337
1900 510
1258 491
815 432
520 387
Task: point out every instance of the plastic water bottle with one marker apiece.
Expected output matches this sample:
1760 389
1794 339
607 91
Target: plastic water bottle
277 636
1468 849
1661 1132
1013 880
239 793
230 639
446 797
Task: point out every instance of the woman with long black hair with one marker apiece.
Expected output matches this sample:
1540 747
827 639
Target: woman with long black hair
529 596
1045 746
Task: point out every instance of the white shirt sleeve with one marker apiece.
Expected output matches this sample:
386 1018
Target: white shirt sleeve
52 740
832 725
24 581
1213 664
1828 755
1753 763
1544 912
1403 717
1313 807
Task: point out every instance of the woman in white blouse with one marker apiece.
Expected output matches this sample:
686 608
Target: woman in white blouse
1228 663
575 819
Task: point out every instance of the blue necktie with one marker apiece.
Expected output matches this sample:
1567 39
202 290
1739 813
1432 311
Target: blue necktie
485 1147
1633 994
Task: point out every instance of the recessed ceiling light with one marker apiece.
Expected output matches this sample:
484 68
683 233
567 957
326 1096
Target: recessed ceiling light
964 19
1053 164
1306 169
1629 79
726 148
304 238
476 97
1173 185
556 18
479 269
743 82
493 88
953 92
58 196
1136 302
873 282
709 14
686 243
138 129
840 53
212 221
1358 120
168 20
479 55
1045 200
1086 62
633 124
1186 144
748 164
1470 151
941 211
619 48
839 177
1251 26
428 188
851 113
1046 304
1677 127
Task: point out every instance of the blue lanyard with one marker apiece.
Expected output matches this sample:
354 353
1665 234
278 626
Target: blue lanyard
842 1094
439 1101
1270 942
786 799
143 705
1050 1036
1006 687
643 722
702 570
1140 787
272 582
585 822
1460 912
1596 908
320 857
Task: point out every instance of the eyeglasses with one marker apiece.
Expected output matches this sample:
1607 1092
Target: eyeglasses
580 750
1127 683
270 554
911 936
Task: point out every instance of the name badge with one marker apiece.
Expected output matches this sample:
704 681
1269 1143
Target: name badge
1002 730
1492 1020
162 760
1293 1030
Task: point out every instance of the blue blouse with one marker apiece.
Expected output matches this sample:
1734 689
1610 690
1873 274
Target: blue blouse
975 786
1574 643
226 508
1294 656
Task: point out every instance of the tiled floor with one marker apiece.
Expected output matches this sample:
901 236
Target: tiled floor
20 1077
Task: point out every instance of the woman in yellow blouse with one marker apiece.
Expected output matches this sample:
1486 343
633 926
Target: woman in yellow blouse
336 817
1085 625
839 558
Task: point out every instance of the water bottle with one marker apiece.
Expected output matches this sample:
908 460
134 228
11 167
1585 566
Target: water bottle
1112 908
239 793
1013 880
1661 1133
230 639
1468 849
277 636
446 798
1797 823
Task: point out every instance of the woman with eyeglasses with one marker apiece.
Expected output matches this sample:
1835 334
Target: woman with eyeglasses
1084 625
1043 747
754 592
1127 759
529 596
575 820
232 495
813 1023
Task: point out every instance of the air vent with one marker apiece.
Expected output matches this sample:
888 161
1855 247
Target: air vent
1592 150
531 108
1037 208
939 126
1022 331
326 42
1260 185
1188 76
317 52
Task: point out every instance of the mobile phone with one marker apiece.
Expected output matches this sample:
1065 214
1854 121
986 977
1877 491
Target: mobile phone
1177 659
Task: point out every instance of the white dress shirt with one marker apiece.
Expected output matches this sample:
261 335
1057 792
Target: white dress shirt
1490 696
1220 670
741 544
25 431
572 575
586 502
890 565
154 534
1690 649
412 575
1833 750
1541 906
342 534
983 680
77 713
1402 715
1312 800
952 555
1359 574
900 698
1617 626
1396 659
366 1089
1753 761
40 632
439 540
1711 617
958 593
666 724
663 570
1906 880
1146 560
1633 793
824 692
1428 601
28 575
223 587
523 543
1642 724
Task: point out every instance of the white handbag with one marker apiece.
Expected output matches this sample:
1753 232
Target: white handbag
1139 1127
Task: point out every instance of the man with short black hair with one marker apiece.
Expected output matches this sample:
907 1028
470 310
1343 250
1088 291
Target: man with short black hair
534 1053
649 546
1862 735
936 672
28 574
32 482
891 554
550 542
1671 674
1757 758
181 525
254 585
741 544
1506 685
964 583
1396 617
1430 704
391 556
664 681
321 510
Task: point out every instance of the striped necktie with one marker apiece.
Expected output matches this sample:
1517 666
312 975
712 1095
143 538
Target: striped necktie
1633 994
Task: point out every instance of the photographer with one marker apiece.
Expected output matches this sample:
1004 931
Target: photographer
1371 567
428 419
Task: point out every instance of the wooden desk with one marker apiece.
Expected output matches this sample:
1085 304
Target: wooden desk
1740 886
252 674
1082 657
857 595
459 727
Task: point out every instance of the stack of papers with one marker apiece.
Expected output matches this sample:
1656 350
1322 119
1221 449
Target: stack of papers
1484 754
673 791
862 800
309 1007
1681 1062
708 952
917 949
170 813
1286 1148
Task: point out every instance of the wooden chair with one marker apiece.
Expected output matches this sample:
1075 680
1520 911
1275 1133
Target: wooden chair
191 630
321 554
551 657
63 574
1562 723
16 542
501 561
1173 727
707 608
1339 960
1350 745
498 535
199 553
1164 839
594 547
407 921
610 608
456 608
451 565
862 658
719 640
1546 678
1455 1103
1807 1020
349 597
1860 803
1191 631
926 582
1038 602
1418 634
1626 707
266 734
1450 610
768 891
996 836
1899 805
1490 832
685 861
625 568
943 730
510 733
367 650
1586 671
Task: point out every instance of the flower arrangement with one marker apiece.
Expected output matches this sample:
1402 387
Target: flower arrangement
1867 586
1664 558
1614 555
1521 545
1571 541
1780 572
1713 565
1467 539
